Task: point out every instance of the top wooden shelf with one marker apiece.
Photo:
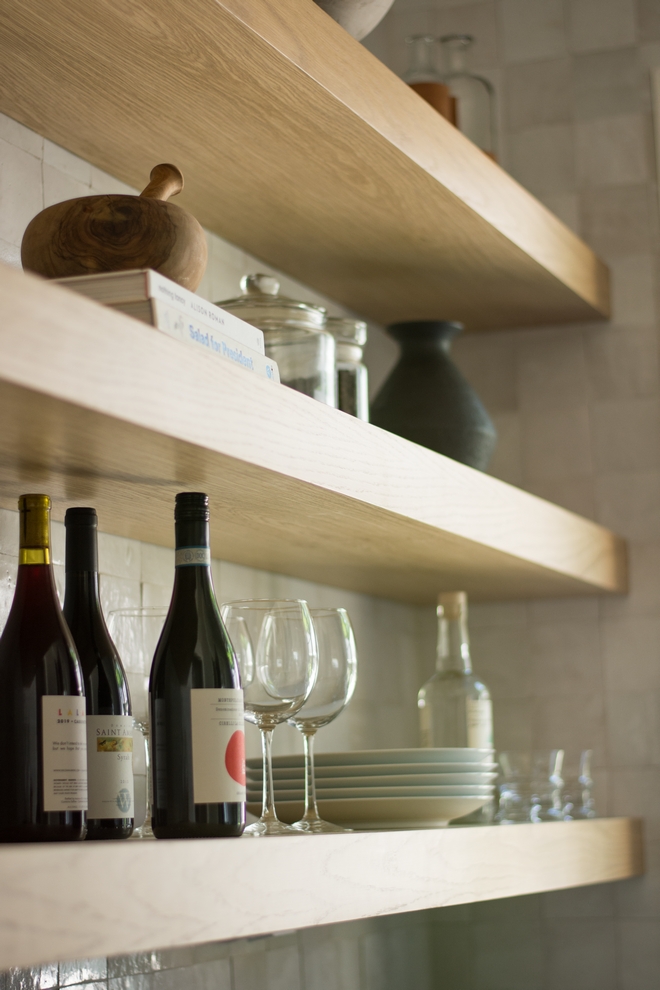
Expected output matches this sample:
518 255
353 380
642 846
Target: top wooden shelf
100 409
302 148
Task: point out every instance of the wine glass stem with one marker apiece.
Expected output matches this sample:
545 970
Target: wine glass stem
311 810
268 802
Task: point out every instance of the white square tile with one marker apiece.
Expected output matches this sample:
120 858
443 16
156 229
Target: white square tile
10 254
573 722
119 556
21 196
582 953
68 163
612 151
630 503
557 444
594 25
552 371
595 901
631 648
508 955
576 494
103 183
636 791
538 93
624 435
622 362
565 658
607 83
532 29
643 597
633 290
20 136
640 897
565 206
542 158
618 220
157 564
633 728
60 186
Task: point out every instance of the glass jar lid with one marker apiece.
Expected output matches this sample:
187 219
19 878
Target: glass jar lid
346 330
263 306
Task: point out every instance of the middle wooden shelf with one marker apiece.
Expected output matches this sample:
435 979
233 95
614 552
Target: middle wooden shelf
97 407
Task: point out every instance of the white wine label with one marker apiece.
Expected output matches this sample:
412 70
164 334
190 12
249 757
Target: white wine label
64 749
192 557
479 723
218 745
110 766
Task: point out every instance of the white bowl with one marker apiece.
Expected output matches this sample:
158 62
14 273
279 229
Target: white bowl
339 793
382 780
383 813
358 17
368 757
371 770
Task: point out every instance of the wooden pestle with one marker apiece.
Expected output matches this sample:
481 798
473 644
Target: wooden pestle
164 181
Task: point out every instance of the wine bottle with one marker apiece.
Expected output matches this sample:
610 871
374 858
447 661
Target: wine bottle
454 706
43 768
196 701
110 811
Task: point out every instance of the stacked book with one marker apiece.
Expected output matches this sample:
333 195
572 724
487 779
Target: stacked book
156 300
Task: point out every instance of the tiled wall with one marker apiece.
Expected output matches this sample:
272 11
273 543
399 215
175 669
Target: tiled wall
578 413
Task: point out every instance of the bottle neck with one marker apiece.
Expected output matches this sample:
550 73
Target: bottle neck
192 558
423 60
34 541
453 642
455 56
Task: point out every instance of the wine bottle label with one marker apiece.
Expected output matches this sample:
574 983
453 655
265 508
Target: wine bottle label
192 557
64 748
218 745
479 723
110 766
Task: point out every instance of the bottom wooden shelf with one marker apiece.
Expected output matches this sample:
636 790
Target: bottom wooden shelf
93 899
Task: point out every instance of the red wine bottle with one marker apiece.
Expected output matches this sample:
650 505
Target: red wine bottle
43 764
196 701
110 811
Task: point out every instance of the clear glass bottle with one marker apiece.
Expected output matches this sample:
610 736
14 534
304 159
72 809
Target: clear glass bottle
425 76
352 376
475 97
454 706
294 336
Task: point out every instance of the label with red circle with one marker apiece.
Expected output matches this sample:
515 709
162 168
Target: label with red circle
218 745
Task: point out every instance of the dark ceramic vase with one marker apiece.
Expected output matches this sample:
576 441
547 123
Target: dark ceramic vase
427 400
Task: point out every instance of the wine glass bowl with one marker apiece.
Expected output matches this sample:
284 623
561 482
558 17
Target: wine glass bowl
333 689
275 644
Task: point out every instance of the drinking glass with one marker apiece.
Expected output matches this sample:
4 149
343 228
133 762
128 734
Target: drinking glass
275 644
335 683
532 786
578 801
135 633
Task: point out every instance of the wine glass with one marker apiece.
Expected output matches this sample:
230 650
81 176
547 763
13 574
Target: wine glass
335 683
275 644
135 632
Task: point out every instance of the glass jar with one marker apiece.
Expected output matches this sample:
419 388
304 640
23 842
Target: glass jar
475 97
425 77
294 336
352 378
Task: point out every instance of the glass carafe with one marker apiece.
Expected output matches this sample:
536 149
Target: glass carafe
352 377
475 97
425 77
294 336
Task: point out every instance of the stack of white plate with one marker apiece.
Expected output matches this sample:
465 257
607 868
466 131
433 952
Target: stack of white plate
382 788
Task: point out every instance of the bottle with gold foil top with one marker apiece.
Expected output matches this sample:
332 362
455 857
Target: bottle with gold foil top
43 766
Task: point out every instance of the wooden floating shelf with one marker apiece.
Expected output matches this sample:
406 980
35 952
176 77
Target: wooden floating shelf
302 148
99 408
186 892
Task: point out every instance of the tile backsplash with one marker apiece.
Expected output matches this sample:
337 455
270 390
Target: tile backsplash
577 409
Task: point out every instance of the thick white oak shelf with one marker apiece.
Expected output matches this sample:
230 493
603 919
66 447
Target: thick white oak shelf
301 147
77 900
99 408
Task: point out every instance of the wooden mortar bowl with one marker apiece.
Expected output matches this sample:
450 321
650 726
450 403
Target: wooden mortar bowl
114 233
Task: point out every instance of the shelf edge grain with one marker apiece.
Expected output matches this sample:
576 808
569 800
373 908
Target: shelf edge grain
79 900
